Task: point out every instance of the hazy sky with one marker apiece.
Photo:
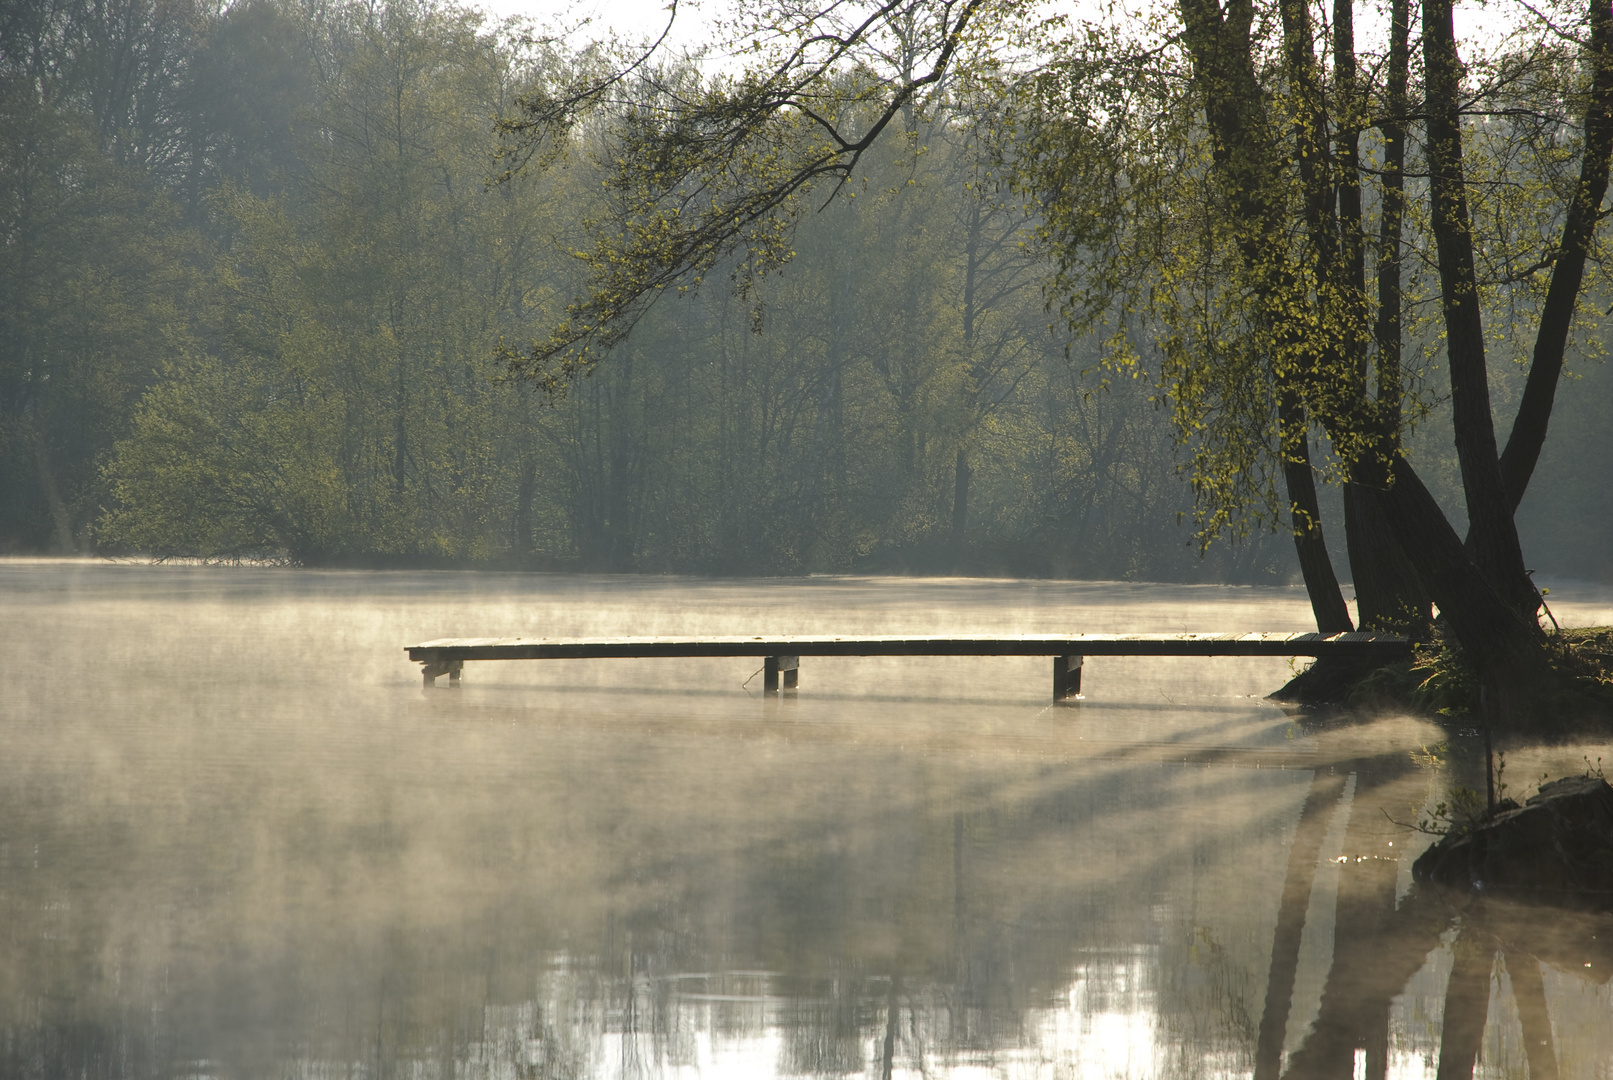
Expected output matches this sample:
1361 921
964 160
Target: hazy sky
1476 20
629 18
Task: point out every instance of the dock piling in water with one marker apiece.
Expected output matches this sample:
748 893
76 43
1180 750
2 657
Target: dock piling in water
774 666
430 669
1067 677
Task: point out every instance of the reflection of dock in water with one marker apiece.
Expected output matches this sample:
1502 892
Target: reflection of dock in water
781 655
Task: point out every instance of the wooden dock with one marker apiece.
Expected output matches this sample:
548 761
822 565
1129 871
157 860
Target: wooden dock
781 655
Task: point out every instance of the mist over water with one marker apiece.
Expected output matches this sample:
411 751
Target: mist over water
237 839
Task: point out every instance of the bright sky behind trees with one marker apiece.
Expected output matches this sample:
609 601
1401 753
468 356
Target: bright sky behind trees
696 24
632 20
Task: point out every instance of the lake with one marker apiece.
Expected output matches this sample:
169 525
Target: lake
237 839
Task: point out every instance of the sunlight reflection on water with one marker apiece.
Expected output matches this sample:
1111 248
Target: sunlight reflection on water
236 839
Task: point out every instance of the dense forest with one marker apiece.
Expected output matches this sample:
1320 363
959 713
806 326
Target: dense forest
257 271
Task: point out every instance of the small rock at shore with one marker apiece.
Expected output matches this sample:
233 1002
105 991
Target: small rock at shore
1557 847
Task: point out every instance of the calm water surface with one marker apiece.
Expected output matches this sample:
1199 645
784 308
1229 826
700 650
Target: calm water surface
238 840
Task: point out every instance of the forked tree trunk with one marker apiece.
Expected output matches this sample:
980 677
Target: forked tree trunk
1505 647
1504 644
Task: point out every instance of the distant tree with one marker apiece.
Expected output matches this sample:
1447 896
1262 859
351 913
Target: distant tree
94 261
340 400
252 81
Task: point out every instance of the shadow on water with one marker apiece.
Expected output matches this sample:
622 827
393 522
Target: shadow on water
236 841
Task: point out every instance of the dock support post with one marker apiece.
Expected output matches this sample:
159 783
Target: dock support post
430 669
773 666
1067 677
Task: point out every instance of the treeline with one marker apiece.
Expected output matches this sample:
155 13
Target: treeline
255 278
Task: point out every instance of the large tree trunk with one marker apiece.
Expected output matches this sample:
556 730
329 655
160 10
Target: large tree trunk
1392 216
1493 536
1389 594
1497 630
1223 66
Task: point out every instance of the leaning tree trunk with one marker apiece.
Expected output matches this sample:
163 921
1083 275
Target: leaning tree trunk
1568 270
1322 585
1219 39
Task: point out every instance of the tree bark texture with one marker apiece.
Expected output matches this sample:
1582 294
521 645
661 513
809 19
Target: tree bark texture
1390 595
1486 596
1493 536
1392 215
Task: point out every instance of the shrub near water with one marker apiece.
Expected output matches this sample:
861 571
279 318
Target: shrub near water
1437 680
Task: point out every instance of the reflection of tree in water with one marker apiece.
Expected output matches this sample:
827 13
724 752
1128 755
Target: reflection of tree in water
926 918
1382 942
823 1031
952 935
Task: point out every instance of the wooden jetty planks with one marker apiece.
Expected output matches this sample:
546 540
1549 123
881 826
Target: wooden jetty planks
781 654
1352 644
